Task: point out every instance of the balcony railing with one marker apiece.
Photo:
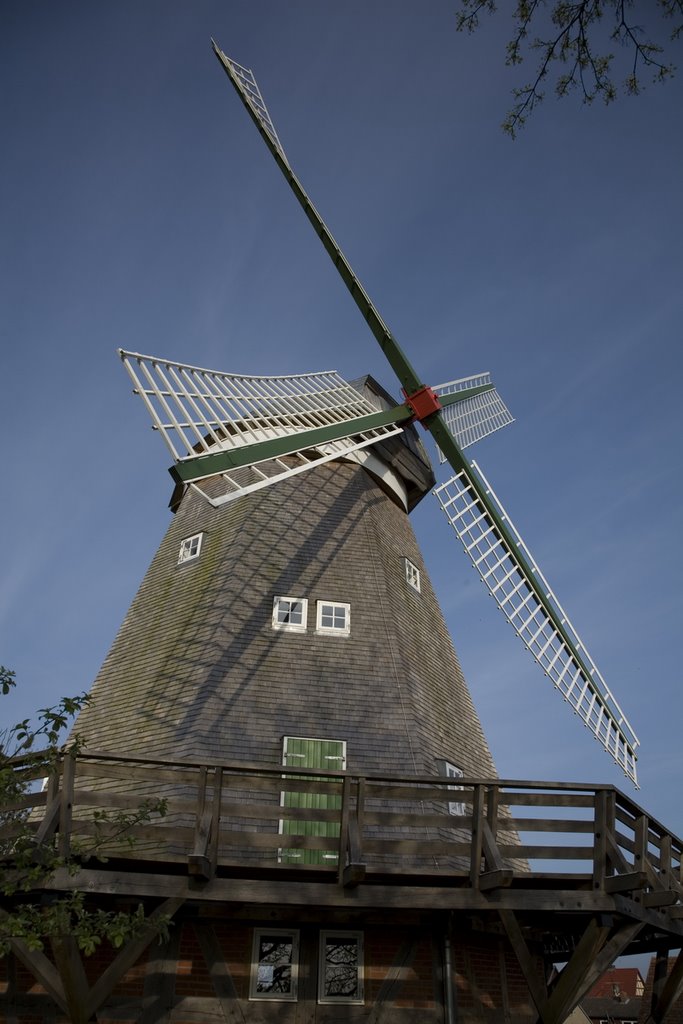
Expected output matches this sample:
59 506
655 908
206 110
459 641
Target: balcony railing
254 821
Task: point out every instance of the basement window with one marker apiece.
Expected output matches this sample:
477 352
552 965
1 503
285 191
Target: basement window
451 771
333 618
290 613
190 548
340 978
412 575
274 964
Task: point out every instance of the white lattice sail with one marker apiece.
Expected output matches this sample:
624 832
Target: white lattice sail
245 83
474 417
543 626
201 412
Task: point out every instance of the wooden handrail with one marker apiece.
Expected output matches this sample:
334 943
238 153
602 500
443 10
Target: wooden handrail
223 815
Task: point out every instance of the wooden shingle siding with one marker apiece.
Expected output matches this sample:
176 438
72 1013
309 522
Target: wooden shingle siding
197 671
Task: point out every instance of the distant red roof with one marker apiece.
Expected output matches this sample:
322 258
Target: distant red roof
628 979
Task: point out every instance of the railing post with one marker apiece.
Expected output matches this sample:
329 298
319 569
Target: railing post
600 814
492 806
665 872
353 872
477 835
640 854
200 862
216 818
343 847
67 802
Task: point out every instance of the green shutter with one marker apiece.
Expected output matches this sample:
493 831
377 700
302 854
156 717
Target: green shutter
325 755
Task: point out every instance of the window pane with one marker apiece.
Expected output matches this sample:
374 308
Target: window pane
333 617
189 548
341 974
290 613
273 974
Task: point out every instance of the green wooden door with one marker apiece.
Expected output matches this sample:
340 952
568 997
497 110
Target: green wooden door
325 755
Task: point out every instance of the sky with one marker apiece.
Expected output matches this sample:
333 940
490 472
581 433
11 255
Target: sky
140 209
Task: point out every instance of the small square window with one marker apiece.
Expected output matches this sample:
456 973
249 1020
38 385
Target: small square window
341 967
333 618
451 771
274 965
190 548
290 613
412 575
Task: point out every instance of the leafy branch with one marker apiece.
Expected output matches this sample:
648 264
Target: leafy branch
579 34
26 866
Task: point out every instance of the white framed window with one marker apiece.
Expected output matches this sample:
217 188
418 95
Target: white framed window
190 548
333 617
412 575
290 613
451 771
274 964
340 971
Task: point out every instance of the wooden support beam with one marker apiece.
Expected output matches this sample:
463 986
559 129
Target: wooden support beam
42 969
660 972
160 979
70 966
498 876
529 965
492 855
669 993
198 863
499 879
596 950
627 882
659 898
131 952
48 825
570 982
219 972
616 856
382 1009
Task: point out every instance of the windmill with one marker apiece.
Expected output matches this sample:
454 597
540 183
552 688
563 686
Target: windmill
338 846
231 436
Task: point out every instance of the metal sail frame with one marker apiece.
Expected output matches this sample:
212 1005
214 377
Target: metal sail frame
427 405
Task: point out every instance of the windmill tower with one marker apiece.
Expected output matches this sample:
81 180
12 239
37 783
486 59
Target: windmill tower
337 845
300 612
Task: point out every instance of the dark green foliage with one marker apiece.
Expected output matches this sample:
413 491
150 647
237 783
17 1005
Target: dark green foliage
31 912
582 36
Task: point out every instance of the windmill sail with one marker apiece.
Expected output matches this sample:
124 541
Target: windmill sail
474 417
245 433
586 691
543 627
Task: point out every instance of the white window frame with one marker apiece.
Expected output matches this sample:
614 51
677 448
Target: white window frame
292 627
451 771
332 630
288 997
359 996
190 548
413 575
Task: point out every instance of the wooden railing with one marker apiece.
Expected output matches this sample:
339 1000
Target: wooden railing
485 833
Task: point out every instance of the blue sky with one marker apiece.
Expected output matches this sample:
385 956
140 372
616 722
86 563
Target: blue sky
140 209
